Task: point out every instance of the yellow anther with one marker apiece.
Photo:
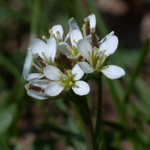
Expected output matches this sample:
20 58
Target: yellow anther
33 63
70 83
50 31
104 51
43 37
78 54
74 41
43 53
40 92
60 82
58 71
57 32
98 61
27 86
89 52
73 47
94 48
32 55
68 71
64 77
52 35
83 26
98 53
68 47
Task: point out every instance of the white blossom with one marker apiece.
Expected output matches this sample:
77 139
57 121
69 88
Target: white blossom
97 57
44 54
64 81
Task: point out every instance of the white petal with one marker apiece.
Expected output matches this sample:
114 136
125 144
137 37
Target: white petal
33 76
113 72
40 83
78 72
67 37
37 95
62 47
92 20
53 89
88 38
81 88
110 34
84 47
56 28
52 72
85 67
50 51
73 24
72 57
110 44
75 35
37 46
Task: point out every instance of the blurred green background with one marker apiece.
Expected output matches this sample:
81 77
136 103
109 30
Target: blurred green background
29 124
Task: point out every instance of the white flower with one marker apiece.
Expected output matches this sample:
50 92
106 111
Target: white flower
64 81
35 89
44 54
75 35
46 51
97 57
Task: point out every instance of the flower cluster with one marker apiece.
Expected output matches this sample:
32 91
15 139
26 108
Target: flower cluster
62 61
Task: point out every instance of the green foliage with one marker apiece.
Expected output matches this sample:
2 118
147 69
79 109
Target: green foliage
5 120
36 17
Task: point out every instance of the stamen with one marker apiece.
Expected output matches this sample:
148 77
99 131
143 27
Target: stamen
65 77
68 47
68 71
50 31
73 47
70 83
57 32
94 48
52 35
83 29
42 90
43 37
104 51
74 41
98 64
37 67
58 71
60 82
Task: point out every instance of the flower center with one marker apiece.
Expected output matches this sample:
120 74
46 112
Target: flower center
67 80
73 51
97 58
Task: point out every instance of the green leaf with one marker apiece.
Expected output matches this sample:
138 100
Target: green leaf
5 120
137 69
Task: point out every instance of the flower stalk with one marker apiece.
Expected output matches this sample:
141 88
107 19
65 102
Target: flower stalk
82 110
99 113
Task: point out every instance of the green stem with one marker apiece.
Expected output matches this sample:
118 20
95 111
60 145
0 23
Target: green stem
99 112
81 108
